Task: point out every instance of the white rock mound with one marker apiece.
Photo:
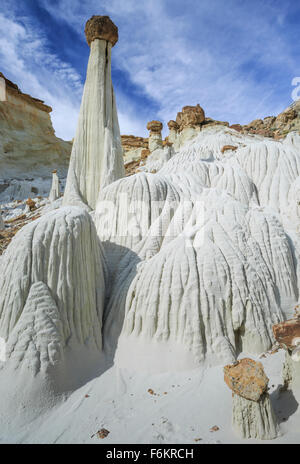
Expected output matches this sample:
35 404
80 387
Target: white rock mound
62 250
51 308
196 261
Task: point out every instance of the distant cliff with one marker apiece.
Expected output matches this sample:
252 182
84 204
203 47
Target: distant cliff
29 148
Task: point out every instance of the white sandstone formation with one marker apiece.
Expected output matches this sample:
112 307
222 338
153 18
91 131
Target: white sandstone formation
155 161
254 419
61 250
52 292
96 159
55 190
29 149
198 252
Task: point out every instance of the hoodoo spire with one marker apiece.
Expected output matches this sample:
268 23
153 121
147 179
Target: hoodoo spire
96 159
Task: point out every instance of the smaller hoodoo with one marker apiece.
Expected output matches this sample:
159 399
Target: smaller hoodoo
253 415
155 138
97 157
55 190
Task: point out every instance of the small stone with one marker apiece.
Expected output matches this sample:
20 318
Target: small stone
102 433
215 428
228 148
31 204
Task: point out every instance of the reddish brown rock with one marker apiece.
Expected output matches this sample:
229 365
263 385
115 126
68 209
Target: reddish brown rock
130 142
31 204
155 127
236 127
103 433
214 122
269 121
257 123
145 153
246 378
190 116
286 332
264 132
285 117
228 148
172 125
166 142
101 27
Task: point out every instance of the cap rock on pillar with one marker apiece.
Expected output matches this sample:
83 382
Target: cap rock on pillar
101 27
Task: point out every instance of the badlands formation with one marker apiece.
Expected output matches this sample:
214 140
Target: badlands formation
120 307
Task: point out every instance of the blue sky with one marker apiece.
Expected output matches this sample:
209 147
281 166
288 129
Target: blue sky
236 58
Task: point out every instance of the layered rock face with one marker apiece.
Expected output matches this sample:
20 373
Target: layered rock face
133 148
272 126
29 149
97 157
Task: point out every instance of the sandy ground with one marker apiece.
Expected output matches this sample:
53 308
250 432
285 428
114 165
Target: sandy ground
180 408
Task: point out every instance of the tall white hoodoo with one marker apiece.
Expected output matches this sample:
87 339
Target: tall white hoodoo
96 159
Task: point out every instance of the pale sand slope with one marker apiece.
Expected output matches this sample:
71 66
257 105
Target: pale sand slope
119 401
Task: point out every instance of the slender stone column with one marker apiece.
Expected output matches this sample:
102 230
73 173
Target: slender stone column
97 157
55 191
